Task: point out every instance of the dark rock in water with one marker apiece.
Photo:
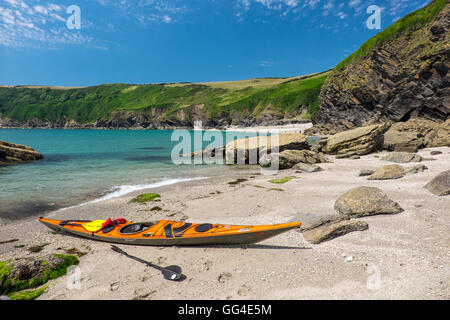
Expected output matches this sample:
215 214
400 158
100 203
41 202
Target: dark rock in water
334 229
388 172
365 201
402 157
15 153
403 78
440 185
359 141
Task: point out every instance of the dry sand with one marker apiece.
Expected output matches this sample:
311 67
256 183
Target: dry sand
403 256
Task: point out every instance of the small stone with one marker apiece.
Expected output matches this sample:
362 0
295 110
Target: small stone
402 157
365 173
388 172
224 277
307 167
332 230
435 153
416 169
349 259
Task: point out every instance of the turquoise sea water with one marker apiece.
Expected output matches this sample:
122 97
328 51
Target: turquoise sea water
82 165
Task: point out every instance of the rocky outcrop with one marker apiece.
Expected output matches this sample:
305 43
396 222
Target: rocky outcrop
415 134
388 172
439 136
440 185
365 201
248 150
404 78
15 153
359 141
289 158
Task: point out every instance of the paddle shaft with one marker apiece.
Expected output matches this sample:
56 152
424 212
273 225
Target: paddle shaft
117 249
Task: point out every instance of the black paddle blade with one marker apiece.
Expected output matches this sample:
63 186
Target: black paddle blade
172 273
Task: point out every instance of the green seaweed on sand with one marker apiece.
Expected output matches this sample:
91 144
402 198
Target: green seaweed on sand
31 273
258 186
281 180
28 294
145 197
276 189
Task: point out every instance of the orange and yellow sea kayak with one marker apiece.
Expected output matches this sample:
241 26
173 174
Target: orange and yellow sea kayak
170 233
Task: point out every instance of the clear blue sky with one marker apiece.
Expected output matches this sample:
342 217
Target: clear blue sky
152 41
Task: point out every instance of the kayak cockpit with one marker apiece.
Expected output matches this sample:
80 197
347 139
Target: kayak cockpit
139 227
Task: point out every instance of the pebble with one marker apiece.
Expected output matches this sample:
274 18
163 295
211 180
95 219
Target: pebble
349 259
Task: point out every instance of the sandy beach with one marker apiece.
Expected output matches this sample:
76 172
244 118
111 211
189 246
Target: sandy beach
402 256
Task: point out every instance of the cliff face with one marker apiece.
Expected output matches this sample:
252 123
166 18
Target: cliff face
405 77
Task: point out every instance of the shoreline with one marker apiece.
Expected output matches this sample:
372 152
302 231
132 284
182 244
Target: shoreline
408 251
289 126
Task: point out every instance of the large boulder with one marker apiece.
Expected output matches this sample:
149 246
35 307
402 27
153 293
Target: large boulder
402 157
388 172
414 134
359 141
440 185
365 201
248 150
16 153
289 158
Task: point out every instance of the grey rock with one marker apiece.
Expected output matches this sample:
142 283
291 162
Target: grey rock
333 229
289 158
416 169
402 157
305 167
435 153
365 201
440 185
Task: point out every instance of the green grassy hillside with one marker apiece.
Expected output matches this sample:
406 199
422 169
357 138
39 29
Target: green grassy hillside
86 105
410 22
